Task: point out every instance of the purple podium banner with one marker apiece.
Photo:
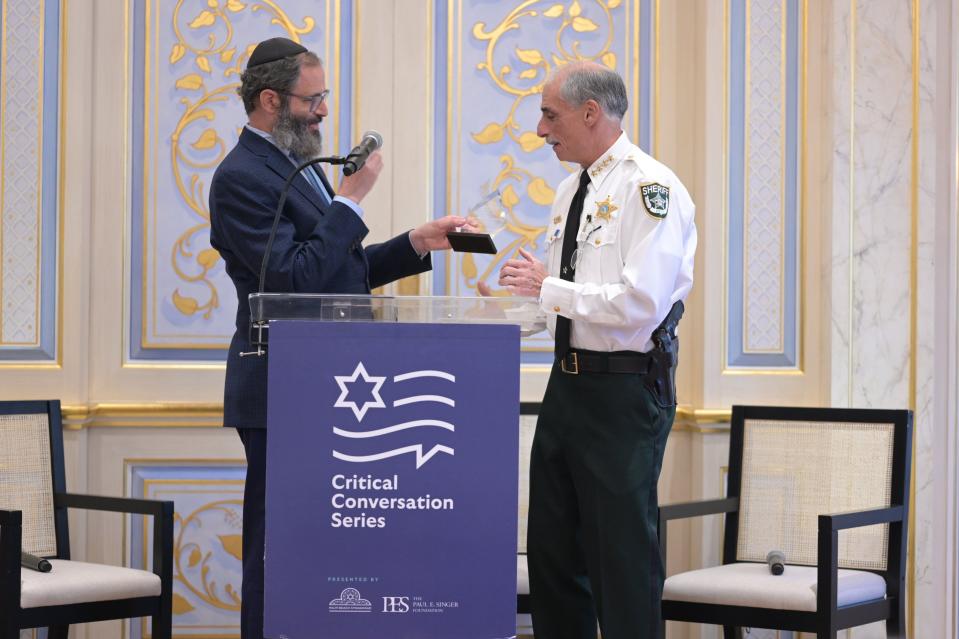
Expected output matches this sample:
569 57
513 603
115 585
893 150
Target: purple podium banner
391 493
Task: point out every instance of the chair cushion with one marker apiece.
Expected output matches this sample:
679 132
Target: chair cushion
751 584
522 575
73 582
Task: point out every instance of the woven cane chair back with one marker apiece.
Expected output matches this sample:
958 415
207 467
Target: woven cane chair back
26 478
793 471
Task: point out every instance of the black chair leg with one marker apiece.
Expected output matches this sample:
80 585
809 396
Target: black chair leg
732 632
896 624
58 632
162 627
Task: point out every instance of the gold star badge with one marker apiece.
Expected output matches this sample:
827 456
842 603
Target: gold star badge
557 219
604 209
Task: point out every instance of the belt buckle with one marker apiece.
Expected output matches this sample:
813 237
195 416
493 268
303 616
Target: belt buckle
575 369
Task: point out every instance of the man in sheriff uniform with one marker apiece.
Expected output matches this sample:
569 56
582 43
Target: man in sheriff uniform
621 242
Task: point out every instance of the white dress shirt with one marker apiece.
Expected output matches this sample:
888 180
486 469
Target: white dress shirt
633 263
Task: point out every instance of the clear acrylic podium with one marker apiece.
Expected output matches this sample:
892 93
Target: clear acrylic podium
392 434
266 307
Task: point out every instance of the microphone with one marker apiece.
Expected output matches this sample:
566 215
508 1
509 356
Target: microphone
34 563
777 561
357 158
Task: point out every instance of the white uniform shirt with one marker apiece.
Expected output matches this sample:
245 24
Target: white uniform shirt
633 263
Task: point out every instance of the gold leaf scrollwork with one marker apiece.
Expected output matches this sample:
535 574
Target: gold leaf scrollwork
207 140
180 605
540 192
469 267
206 39
510 199
609 59
177 53
534 66
233 544
201 553
203 63
584 24
205 19
529 56
184 304
529 141
190 82
490 134
538 65
554 12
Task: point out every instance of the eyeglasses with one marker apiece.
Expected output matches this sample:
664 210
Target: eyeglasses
314 100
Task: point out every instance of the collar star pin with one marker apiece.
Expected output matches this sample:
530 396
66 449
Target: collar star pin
602 165
557 219
604 209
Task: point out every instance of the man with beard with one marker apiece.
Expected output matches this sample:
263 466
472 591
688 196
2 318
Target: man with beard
318 249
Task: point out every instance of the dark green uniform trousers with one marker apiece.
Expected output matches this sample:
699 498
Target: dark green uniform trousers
592 545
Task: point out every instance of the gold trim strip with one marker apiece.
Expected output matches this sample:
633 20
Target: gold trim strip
698 416
41 78
206 414
143 409
724 229
3 142
656 74
337 19
913 319
851 336
801 196
61 181
143 415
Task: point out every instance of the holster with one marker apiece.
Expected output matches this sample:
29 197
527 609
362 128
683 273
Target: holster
661 377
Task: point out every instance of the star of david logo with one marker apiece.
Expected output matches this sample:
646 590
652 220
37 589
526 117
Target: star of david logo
359 409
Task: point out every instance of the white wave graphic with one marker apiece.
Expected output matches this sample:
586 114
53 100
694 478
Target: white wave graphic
424 373
403 401
419 423
421 457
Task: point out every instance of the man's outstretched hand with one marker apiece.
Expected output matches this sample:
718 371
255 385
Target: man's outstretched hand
432 235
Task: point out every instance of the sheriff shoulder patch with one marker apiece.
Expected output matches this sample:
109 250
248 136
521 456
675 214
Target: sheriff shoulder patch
655 199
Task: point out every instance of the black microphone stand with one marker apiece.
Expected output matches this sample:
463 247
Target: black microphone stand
257 327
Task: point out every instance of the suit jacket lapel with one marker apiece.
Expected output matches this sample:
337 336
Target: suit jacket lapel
281 165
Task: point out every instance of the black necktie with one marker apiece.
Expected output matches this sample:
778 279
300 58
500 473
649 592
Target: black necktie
567 270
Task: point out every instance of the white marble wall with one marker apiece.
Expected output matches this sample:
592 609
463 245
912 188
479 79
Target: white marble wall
871 109
871 52
935 458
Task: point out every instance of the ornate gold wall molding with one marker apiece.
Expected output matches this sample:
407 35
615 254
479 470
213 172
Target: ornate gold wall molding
140 415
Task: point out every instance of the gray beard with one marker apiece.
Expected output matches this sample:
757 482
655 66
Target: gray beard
293 135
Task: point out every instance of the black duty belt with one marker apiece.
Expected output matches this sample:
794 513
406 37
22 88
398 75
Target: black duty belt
580 361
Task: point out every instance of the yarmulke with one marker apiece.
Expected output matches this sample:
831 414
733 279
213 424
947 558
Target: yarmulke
272 50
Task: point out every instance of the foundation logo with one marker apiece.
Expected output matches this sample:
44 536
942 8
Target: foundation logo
350 600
